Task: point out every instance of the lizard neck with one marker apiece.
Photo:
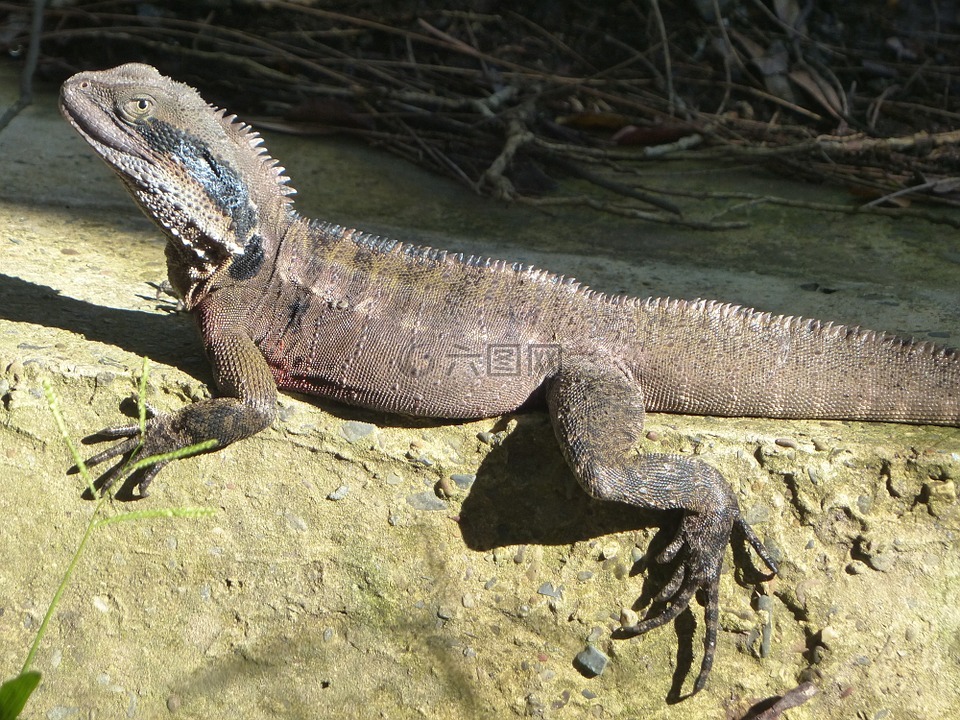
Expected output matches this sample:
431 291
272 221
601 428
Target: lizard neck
236 207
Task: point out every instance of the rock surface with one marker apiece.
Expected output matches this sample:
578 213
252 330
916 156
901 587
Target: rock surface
318 589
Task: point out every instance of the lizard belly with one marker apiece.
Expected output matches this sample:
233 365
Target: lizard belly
396 367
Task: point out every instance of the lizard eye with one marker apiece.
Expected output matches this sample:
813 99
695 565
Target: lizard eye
137 107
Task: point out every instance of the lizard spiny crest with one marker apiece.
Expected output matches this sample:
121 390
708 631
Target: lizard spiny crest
203 175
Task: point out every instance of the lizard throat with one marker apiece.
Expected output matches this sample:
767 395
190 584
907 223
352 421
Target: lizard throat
211 195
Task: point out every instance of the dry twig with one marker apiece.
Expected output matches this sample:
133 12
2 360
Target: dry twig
503 106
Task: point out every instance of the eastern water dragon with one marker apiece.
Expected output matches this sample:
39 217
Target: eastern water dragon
285 302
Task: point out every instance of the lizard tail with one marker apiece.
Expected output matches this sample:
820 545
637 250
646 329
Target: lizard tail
705 357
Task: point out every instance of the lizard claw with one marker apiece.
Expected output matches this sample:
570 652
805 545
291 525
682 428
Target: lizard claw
131 445
704 541
192 429
129 435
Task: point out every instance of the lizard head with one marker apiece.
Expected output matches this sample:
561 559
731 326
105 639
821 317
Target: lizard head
201 174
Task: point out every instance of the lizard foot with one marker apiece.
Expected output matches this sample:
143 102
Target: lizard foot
193 429
130 448
703 540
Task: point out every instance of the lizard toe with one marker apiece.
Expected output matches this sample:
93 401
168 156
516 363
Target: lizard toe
118 450
110 433
679 593
107 480
148 475
711 619
757 545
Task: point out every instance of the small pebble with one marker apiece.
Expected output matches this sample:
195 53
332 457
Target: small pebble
173 703
765 605
419 459
339 494
550 591
463 481
755 514
591 662
786 442
562 701
353 430
609 551
828 635
63 712
857 567
445 487
467 600
882 562
944 491
628 618
426 500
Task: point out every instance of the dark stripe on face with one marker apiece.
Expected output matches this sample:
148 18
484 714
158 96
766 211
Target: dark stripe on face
222 184
247 265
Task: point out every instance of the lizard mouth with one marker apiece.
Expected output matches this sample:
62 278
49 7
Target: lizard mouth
97 125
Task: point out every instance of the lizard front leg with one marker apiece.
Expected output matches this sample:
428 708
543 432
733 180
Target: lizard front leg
598 414
247 404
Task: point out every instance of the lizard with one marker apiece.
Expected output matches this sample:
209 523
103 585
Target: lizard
285 302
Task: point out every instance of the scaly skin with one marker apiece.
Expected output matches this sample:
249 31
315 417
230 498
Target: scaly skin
283 302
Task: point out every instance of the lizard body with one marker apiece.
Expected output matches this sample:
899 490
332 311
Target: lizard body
285 302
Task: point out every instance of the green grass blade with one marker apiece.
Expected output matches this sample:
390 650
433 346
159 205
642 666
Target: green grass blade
177 454
15 692
62 427
55 600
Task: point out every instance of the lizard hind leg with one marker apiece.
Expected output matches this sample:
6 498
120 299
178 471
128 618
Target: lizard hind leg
598 414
